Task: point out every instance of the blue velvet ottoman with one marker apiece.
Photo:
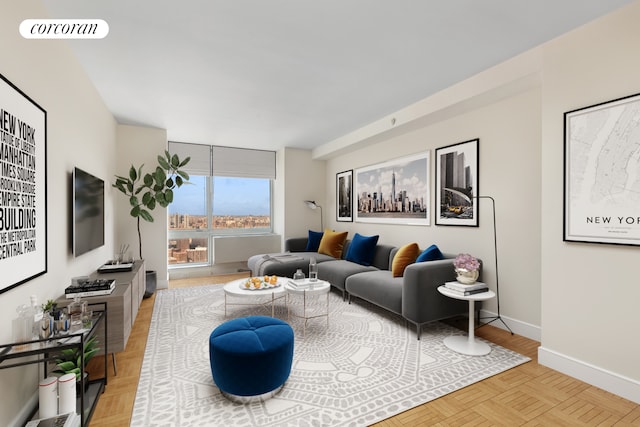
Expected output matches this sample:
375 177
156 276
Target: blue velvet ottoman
251 357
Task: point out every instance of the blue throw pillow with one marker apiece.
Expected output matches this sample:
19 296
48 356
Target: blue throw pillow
313 242
432 253
361 249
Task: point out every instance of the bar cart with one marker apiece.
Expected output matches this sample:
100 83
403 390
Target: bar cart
47 350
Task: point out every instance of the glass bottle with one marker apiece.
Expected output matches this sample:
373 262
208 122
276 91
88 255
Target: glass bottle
22 326
76 310
45 326
60 322
37 313
298 275
313 270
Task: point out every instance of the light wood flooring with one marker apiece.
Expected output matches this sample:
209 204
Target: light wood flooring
528 395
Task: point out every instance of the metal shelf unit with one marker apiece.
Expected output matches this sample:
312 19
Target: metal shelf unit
48 350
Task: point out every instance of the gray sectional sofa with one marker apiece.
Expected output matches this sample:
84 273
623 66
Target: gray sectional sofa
286 263
413 296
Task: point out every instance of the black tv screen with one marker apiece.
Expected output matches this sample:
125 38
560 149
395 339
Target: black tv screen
88 212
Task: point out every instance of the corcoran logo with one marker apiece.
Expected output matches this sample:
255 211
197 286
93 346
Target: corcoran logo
64 29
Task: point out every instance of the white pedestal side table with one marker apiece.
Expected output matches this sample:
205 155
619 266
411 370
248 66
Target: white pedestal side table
319 287
467 345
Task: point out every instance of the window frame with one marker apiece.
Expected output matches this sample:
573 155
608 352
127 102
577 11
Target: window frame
211 232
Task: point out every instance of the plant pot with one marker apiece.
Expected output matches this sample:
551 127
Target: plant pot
466 277
151 283
79 384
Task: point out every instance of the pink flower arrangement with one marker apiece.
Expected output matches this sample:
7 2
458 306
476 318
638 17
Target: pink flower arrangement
467 262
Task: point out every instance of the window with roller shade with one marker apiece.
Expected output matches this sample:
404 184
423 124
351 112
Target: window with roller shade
230 193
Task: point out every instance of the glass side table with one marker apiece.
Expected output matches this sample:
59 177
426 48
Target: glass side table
307 289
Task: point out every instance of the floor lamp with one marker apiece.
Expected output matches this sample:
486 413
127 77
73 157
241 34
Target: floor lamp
313 205
495 254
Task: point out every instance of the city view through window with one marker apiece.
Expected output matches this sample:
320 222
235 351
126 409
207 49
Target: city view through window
210 206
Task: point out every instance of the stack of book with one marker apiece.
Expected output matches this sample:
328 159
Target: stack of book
301 283
464 290
66 420
90 288
114 267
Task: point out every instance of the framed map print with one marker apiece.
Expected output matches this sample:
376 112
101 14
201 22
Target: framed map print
602 173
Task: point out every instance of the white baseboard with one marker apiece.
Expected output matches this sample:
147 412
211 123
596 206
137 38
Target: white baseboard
519 327
211 270
598 377
23 416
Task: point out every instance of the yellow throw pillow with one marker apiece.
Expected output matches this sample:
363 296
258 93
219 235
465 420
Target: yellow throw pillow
332 243
406 255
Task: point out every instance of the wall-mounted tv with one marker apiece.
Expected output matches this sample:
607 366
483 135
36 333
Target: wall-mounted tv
88 212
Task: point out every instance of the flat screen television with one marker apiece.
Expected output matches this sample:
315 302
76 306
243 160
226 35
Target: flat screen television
88 212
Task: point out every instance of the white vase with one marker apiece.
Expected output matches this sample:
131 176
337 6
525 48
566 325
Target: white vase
466 277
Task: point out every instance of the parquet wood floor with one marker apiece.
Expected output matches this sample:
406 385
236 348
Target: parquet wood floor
528 395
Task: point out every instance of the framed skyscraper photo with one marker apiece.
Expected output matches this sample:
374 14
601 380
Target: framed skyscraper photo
394 192
457 184
344 196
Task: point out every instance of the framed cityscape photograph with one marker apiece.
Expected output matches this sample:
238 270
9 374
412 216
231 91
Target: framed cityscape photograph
394 192
23 220
602 173
457 184
344 196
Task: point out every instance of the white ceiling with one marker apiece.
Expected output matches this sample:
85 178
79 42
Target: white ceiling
298 73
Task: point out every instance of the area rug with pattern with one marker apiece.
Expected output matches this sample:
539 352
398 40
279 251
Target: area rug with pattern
362 366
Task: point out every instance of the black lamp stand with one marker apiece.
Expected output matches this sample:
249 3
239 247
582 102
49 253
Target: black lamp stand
495 251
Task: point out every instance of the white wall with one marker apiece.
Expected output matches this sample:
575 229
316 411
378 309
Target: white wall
81 132
304 179
579 299
589 291
509 134
234 249
138 146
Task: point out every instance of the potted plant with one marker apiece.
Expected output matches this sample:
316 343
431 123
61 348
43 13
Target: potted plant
147 191
48 306
70 360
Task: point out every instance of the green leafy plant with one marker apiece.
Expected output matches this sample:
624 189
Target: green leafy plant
147 191
49 306
70 360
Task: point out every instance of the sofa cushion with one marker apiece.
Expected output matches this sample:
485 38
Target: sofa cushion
332 243
432 253
382 257
296 244
406 255
361 249
313 242
377 287
337 271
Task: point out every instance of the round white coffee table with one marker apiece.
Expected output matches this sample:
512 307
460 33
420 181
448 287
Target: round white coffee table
307 289
236 290
467 345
